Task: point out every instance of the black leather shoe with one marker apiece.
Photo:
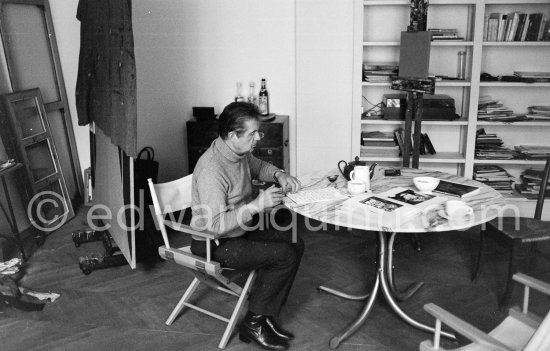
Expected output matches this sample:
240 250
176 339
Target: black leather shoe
255 328
276 328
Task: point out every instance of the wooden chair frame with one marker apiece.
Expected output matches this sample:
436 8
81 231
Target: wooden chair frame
176 196
521 330
501 230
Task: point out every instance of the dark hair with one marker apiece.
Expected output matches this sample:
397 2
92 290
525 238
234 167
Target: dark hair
235 115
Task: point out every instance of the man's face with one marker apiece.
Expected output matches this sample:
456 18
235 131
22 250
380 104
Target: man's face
248 140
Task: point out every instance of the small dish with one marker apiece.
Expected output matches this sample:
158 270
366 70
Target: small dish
425 184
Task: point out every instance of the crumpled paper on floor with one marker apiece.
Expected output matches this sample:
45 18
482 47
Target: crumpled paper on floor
10 267
49 296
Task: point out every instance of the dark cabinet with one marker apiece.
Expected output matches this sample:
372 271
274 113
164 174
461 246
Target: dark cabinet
273 148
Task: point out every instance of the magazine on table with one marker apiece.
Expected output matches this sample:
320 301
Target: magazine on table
456 189
391 208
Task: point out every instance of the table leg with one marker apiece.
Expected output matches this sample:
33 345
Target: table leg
383 277
359 320
408 292
343 294
388 294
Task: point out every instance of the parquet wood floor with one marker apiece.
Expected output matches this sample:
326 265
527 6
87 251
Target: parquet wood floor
124 309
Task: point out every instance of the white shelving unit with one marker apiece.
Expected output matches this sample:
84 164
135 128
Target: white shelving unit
378 27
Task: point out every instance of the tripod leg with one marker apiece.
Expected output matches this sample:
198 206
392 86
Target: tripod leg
417 128
406 152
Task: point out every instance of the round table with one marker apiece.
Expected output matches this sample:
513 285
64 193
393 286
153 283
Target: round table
486 204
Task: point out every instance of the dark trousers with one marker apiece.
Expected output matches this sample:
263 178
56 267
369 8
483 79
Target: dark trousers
273 255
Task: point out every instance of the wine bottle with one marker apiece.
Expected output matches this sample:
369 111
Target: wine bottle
263 100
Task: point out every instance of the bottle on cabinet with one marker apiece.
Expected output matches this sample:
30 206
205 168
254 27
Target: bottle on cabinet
252 98
239 95
263 99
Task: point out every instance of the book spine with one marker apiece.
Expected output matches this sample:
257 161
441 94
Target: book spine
525 27
521 24
533 29
429 145
486 28
399 139
446 193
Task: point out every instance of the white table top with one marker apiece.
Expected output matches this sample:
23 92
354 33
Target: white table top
486 203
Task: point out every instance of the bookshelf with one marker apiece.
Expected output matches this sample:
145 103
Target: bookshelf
378 24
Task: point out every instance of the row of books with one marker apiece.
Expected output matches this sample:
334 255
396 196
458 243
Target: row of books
499 179
539 112
384 141
426 145
489 109
533 151
444 34
516 26
531 180
489 147
379 72
533 76
495 177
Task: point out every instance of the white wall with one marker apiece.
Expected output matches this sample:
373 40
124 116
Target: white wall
324 60
67 32
192 53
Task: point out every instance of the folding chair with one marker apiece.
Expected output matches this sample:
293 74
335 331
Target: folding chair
173 197
521 330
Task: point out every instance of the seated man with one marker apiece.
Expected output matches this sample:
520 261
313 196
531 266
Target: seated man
222 202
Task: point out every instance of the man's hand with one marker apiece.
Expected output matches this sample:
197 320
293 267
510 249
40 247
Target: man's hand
269 197
289 184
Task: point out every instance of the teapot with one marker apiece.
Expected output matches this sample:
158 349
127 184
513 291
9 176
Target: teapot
348 167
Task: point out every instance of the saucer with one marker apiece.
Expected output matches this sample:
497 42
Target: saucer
441 213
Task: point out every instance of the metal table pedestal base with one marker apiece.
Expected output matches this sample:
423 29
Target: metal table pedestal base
384 280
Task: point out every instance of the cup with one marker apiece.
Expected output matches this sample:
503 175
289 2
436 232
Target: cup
362 174
457 210
356 187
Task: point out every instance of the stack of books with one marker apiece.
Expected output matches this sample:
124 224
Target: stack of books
495 177
493 110
489 147
533 77
539 112
377 140
515 26
533 151
379 72
530 183
444 34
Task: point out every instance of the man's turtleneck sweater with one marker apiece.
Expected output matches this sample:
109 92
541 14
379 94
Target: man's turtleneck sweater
222 188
